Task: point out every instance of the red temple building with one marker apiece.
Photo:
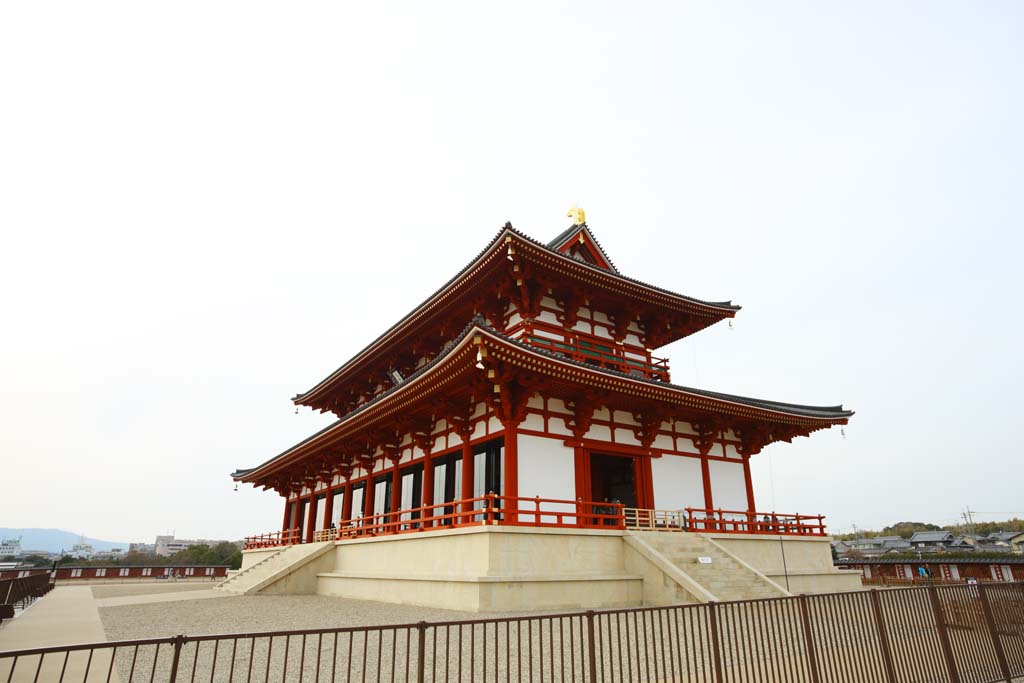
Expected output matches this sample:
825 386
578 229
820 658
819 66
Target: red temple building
526 393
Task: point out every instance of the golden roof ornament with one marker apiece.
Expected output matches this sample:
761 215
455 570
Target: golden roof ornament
578 216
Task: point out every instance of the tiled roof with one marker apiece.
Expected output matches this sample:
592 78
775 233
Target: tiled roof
935 559
930 536
508 229
564 236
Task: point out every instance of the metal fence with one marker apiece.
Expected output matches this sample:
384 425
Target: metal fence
20 592
949 634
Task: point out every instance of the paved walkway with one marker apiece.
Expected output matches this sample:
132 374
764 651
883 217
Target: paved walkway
66 615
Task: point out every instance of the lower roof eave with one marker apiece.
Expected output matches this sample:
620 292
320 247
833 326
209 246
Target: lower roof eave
479 332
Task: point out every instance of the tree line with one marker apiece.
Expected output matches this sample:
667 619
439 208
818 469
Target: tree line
907 529
202 554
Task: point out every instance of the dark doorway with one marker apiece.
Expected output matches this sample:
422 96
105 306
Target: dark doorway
612 479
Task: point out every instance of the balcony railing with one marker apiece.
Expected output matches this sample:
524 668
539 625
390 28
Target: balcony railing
600 352
495 510
725 521
487 510
273 539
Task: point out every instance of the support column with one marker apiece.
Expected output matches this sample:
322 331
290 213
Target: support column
427 496
751 506
396 492
311 518
510 467
705 473
467 477
368 494
346 502
709 500
287 510
328 507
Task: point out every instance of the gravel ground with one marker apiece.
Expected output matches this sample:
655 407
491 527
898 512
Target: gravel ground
248 613
142 589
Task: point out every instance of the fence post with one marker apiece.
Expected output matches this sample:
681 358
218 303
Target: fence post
883 636
986 606
943 632
812 656
716 647
179 640
421 647
591 648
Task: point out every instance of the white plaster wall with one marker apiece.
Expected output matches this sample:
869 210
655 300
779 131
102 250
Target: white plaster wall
546 469
728 487
677 482
548 317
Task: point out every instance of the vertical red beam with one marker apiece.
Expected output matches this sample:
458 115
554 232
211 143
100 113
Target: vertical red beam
467 476
328 507
646 480
284 524
396 491
510 467
709 500
311 518
581 457
427 496
346 502
751 506
368 495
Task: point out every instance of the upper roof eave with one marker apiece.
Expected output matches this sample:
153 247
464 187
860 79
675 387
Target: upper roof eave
727 308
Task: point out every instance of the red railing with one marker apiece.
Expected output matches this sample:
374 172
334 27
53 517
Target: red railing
487 510
273 539
594 350
745 522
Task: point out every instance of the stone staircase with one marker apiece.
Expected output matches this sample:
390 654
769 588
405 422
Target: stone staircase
725 578
273 568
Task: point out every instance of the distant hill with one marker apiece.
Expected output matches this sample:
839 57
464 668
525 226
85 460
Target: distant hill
54 540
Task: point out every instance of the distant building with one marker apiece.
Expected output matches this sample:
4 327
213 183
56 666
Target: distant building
931 540
148 548
1017 543
10 546
82 550
168 545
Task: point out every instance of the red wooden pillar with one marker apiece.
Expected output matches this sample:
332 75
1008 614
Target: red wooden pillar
328 507
287 510
751 506
311 518
705 473
582 470
368 494
467 477
510 468
346 502
709 500
396 492
427 496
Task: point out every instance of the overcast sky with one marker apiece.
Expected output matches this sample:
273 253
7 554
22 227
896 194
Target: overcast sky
206 207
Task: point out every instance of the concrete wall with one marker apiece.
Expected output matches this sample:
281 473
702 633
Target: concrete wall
808 561
251 557
493 568
487 569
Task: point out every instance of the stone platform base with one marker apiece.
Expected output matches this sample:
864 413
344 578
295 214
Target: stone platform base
508 569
